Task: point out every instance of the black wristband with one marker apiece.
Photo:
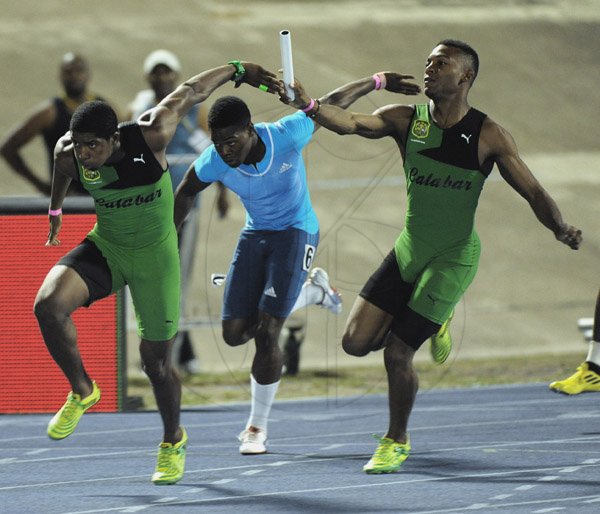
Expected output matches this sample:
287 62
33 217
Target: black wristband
315 112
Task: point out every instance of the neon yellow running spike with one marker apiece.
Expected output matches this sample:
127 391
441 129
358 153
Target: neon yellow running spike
583 380
171 462
65 420
440 344
388 456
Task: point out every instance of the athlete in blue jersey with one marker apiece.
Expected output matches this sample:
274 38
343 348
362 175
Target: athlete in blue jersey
263 165
273 190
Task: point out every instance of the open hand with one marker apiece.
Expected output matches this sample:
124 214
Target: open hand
259 77
397 83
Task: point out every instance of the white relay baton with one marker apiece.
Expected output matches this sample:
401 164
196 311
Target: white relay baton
285 45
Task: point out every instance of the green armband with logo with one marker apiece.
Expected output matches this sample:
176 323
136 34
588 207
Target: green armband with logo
240 73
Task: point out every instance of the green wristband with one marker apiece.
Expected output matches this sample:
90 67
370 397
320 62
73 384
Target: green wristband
240 72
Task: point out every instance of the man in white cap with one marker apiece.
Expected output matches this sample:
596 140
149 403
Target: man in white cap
162 69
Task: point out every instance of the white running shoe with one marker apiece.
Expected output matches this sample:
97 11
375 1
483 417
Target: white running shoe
253 441
332 300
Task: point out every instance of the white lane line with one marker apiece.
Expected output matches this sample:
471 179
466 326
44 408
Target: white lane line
229 498
593 500
38 451
194 490
579 415
524 487
331 447
166 499
84 456
570 469
524 471
252 472
475 424
129 430
485 407
551 478
550 509
501 496
223 481
464 407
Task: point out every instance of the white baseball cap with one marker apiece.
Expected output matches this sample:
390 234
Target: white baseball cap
169 59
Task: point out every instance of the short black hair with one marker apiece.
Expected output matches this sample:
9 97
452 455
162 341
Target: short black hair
96 118
466 49
228 111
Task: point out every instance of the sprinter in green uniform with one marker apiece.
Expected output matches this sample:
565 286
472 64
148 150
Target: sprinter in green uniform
134 242
448 149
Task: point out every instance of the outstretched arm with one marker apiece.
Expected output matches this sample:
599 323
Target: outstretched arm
499 146
329 109
347 94
159 124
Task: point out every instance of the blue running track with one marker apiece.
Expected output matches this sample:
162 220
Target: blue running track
513 449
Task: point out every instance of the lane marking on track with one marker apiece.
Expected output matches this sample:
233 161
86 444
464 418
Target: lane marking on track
223 481
501 496
252 472
570 469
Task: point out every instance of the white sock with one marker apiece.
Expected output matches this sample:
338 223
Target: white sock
309 295
262 399
594 353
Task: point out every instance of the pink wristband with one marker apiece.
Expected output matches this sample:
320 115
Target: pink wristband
310 106
380 81
56 212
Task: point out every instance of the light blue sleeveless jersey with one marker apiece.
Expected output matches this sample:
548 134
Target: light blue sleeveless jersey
276 194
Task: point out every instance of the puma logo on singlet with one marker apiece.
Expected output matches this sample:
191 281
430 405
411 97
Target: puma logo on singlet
466 137
433 300
139 159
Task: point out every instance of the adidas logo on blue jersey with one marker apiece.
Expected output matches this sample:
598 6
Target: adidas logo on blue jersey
284 167
270 292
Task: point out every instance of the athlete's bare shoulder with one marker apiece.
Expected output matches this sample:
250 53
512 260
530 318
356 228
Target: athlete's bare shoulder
494 140
63 156
399 116
490 127
396 111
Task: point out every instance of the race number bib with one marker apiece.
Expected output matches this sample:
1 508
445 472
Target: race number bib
309 255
